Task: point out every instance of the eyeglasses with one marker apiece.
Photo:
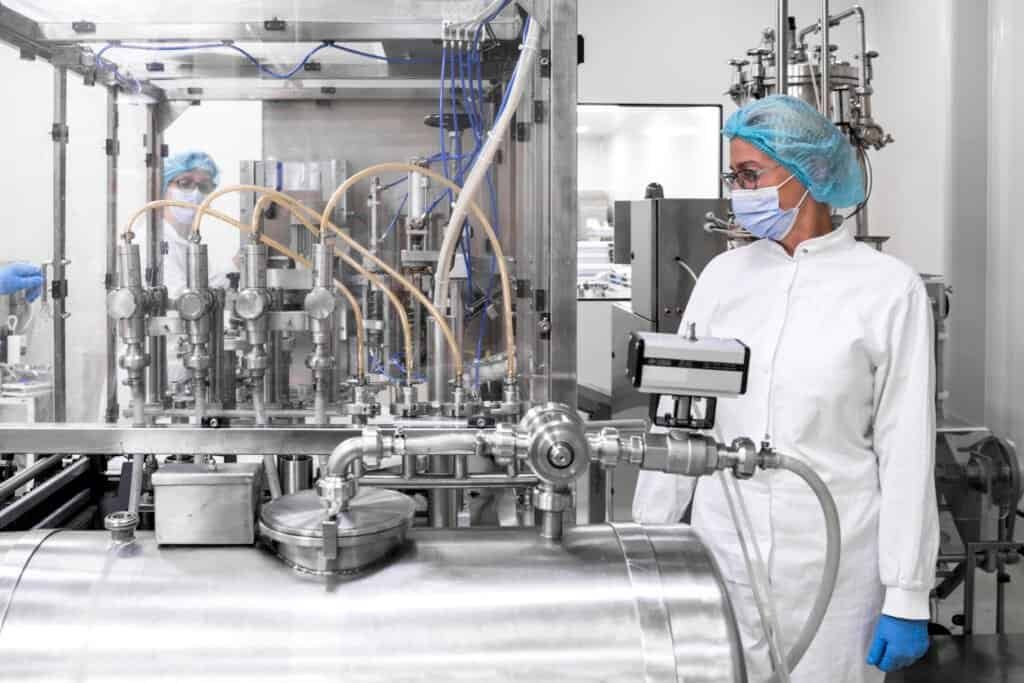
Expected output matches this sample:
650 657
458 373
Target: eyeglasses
185 183
745 178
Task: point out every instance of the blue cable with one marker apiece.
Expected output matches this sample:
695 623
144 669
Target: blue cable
394 221
249 56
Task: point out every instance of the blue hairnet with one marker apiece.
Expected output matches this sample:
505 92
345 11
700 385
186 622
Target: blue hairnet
189 161
806 143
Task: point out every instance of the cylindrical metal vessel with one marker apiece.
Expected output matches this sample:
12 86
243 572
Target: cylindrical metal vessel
295 473
610 603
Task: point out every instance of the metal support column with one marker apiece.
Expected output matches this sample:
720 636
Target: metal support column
112 149
156 382
826 80
782 48
59 289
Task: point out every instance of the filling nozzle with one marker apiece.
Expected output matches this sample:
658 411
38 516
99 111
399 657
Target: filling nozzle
320 304
252 305
195 306
128 304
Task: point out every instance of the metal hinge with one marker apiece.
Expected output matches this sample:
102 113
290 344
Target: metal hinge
108 281
112 147
59 289
522 289
154 67
545 63
83 27
274 24
540 300
59 132
522 132
539 111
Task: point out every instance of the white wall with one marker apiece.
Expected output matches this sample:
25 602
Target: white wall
1005 277
230 132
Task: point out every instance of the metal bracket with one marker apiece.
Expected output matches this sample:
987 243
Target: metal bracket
540 300
329 529
539 111
522 132
108 281
312 66
112 147
522 289
59 132
274 24
154 67
83 27
545 63
58 289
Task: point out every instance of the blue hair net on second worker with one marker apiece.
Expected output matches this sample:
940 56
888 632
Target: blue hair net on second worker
806 143
184 162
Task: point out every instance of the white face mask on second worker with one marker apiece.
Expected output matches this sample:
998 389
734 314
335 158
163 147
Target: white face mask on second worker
184 214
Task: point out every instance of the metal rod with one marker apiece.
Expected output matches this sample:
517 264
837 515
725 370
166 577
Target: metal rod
969 570
112 410
135 492
57 518
782 47
42 492
103 439
156 381
8 487
60 171
475 481
826 80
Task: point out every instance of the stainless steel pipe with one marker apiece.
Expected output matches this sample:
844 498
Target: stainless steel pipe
782 47
610 603
8 487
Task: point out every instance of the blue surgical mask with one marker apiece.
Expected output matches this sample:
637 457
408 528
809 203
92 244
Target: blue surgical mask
759 213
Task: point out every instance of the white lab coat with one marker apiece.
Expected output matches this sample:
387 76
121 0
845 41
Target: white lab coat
841 377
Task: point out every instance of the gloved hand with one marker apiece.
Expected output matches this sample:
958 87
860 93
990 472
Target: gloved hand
15 277
898 642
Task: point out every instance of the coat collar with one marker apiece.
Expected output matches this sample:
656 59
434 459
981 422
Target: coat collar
838 239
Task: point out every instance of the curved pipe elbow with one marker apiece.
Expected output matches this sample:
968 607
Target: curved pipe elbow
343 455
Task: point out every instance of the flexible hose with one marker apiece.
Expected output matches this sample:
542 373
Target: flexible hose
478 175
275 245
833 544
297 206
485 224
758 573
396 303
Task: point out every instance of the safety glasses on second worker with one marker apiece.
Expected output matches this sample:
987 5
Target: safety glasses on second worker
745 178
188 184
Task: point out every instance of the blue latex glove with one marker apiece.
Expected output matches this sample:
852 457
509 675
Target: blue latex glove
898 642
15 277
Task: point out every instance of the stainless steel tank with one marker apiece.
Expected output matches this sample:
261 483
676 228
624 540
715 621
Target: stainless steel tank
610 603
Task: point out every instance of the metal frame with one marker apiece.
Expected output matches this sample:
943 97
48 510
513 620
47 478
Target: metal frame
549 209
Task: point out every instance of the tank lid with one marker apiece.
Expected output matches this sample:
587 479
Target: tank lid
370 529
371 511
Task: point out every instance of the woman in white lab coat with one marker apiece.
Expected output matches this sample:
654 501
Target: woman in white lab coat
842 378
188 177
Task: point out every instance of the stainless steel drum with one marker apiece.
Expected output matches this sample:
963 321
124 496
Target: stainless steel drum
610 603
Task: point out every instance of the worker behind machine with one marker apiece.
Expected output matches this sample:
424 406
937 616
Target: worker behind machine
17 277
842 378
188 177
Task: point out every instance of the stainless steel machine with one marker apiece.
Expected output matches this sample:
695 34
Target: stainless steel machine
373 468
